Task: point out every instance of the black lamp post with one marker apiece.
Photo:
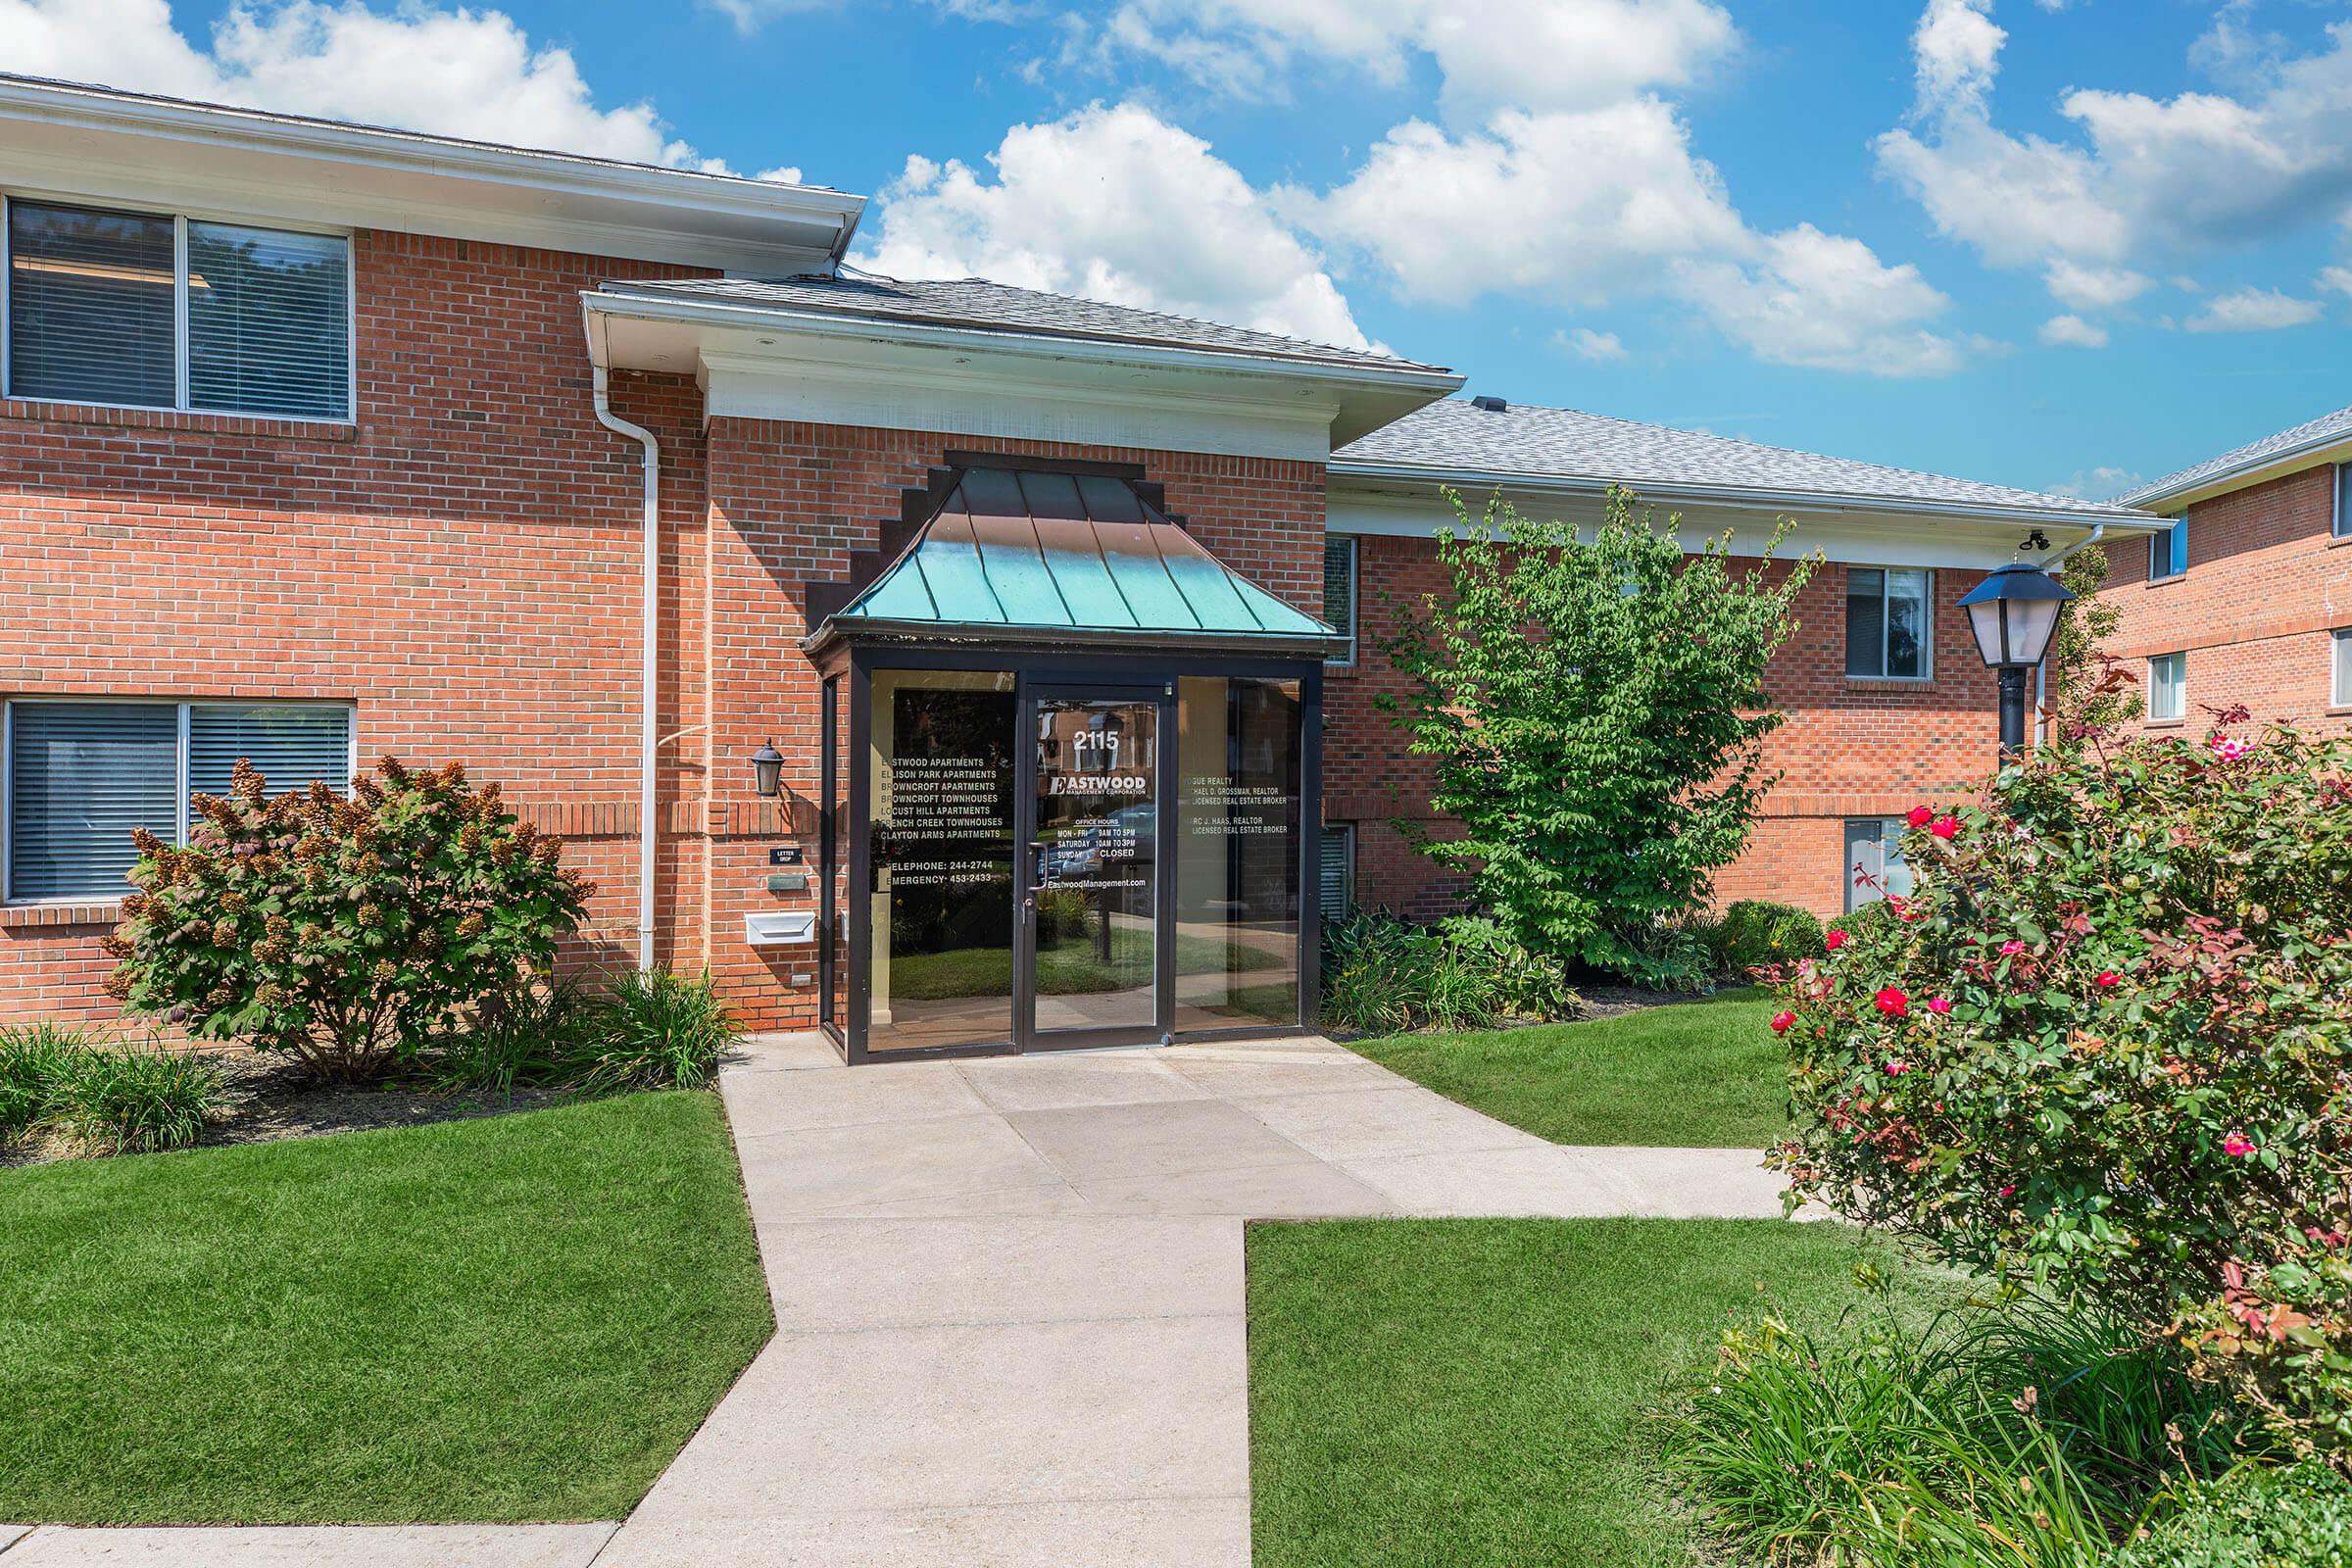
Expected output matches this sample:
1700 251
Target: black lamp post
2014 612
768 770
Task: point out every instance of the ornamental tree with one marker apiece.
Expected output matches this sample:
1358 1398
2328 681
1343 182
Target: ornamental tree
1596 713
346 931
2104 1044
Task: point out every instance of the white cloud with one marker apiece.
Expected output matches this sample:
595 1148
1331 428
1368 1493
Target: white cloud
1602 348
2138 173
2336 279
781 175
2098 484
2095 288
1111 203
2072 332
1521 54
2254 309
1827 301
460 73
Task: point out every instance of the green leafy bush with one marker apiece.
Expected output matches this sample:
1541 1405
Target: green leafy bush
129 1097
348 932
1755 934
1595 712
2103 1045
652 1029
1941 1445
2259 1517
1382 975
535 1036
33 1060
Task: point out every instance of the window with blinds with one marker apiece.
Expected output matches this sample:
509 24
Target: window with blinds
1336 873
1338 591
81 776
1873 861
157 311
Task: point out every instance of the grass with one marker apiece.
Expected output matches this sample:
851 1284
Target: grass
514 1319
1473 1392
1694 1075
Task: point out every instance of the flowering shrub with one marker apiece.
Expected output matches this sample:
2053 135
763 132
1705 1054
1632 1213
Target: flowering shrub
348 932
2104 1043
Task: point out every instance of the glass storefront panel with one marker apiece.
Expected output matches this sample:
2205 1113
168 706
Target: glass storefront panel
833 855
1238 826
940 808
1095 862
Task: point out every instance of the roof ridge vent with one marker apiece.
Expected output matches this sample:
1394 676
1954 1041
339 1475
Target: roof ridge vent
1492 404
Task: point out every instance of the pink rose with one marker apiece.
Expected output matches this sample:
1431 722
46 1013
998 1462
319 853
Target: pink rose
1944 827
1917 817
1893 1002
1834 940
1896 1067
2108 980
1940 1003
1780 1022
2012 948
2238 1145
2227 747
2008 1190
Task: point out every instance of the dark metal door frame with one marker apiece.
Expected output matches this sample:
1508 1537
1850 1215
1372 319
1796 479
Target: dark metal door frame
1161 695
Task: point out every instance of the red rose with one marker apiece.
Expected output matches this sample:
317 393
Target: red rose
1917 817
2108 980
1944 827
1780 1022
1893 1002
1834 940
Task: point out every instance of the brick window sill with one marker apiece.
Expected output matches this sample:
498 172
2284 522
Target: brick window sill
2165 582
2337 541
27 916
1916 685
2167 724
177 420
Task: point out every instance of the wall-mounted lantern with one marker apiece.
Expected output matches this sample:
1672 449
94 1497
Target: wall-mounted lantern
768 770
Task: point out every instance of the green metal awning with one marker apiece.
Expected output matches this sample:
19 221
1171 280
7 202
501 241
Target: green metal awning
1059 556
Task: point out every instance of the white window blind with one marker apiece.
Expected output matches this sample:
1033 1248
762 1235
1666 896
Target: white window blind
81 776
2167 686
92 298
1339 590
1873 861
2340 692
1336 873
1887 622
267 327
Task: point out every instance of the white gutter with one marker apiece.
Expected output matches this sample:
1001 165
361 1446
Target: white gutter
651 579
2165 492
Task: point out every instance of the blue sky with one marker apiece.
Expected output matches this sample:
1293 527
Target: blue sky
2054 243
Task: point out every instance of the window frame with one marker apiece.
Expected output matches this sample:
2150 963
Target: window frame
1927 641
2338 693
1355 581
2155 718
180 220
2163 542
1889 828
179 782
2339 526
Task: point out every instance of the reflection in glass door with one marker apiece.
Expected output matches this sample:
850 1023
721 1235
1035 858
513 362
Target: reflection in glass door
1093 873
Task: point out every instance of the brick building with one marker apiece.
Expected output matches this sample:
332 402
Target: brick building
319 443
2247 598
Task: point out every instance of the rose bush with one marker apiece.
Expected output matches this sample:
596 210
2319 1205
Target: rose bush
348 931
2104 1044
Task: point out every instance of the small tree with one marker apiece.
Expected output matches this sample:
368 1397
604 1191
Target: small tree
2082 694
348 932
1597 716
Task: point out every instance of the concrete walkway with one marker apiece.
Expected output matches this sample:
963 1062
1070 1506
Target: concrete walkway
1010 1308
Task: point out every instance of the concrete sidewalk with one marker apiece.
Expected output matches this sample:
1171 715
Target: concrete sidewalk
1010 1309
1009 1291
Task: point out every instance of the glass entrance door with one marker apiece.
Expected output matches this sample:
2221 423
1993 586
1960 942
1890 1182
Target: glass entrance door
1094 894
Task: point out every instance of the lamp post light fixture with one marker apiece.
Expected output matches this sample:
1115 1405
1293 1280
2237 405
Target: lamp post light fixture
768 770
2014 614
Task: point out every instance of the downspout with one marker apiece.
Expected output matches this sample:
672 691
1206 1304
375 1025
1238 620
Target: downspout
651 576
2042 671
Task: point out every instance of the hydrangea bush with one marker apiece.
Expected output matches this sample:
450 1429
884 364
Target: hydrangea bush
2103 1046
347 931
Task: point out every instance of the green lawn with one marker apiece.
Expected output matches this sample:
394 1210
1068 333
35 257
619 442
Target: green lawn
1473 1392
1693 1074
518 1317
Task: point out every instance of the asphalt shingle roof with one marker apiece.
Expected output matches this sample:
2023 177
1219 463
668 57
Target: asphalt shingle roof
1540 443
977 303
2321 432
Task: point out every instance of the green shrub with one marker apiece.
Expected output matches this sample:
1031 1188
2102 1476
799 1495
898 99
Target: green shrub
1382 975
1892 1444
652 1029
2259 1517
33 1060
1755 934
536 1037
2103 1044
350 933
134 1098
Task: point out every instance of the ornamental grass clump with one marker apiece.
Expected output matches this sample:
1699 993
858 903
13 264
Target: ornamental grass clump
349 932
2103 1047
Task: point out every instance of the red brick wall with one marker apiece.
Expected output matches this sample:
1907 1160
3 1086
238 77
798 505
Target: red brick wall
2265 584
460 561
1850 748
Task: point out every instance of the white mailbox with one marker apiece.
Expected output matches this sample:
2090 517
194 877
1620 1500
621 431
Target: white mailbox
780 929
